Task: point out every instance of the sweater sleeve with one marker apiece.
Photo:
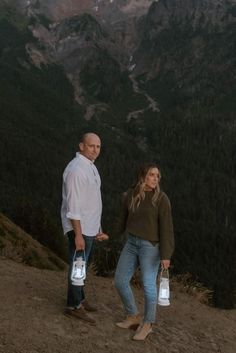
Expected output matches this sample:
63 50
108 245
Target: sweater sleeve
120 223
165 225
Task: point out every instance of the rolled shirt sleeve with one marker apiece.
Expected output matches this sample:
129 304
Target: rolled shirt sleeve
74 184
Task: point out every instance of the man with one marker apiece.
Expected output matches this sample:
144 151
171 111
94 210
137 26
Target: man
81 216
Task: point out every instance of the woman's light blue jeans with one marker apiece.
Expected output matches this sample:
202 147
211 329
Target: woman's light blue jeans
138 251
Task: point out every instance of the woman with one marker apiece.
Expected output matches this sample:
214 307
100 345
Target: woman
146 217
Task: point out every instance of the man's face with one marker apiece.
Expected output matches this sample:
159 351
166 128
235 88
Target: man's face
90 147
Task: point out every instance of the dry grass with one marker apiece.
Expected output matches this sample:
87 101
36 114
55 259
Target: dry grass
194 288
188 285
19 246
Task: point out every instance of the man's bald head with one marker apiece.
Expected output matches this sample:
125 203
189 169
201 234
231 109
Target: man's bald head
89 135
90 146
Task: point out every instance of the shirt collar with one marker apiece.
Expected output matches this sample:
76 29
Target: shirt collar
85 159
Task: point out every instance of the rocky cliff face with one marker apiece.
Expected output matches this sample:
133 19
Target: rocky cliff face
117 17
198 13
87 38
108 10
185 45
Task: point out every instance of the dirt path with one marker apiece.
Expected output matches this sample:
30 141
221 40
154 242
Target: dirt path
32 302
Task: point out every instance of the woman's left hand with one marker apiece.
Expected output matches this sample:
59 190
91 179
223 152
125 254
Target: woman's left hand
165 264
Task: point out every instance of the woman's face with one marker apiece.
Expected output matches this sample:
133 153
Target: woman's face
152 179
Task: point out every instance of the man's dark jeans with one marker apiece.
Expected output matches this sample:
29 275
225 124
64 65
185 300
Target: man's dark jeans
75 294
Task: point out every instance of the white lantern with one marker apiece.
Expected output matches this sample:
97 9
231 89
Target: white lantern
78 272
164 288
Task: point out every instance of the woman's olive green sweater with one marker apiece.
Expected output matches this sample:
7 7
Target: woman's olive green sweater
149 222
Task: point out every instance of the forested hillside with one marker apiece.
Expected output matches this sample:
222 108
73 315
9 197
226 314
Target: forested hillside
40 129
192 63
37 116
192 137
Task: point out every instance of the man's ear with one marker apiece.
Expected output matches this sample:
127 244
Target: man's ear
81 146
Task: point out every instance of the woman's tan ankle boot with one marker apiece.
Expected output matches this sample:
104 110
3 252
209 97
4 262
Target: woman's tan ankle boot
143 331
130 321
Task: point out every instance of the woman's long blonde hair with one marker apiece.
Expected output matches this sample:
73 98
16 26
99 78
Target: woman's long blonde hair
139 192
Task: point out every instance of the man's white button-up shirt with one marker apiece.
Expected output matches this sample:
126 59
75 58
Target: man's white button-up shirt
81 196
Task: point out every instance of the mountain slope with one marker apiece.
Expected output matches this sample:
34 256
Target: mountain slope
37 116
108 10
41 125
187 52
186 62
18 245
157 87
32 318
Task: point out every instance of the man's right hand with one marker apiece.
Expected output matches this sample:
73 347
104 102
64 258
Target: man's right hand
79 242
